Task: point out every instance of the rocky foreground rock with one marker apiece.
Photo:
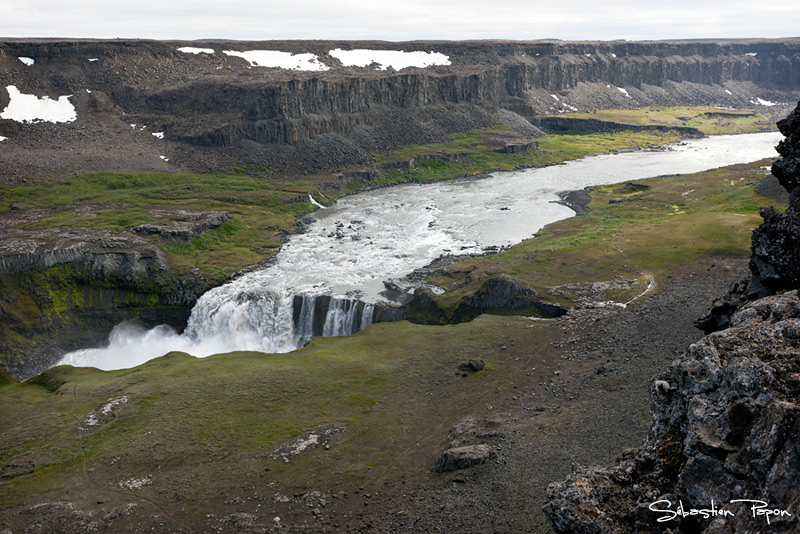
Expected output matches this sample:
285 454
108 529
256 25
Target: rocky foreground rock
723 453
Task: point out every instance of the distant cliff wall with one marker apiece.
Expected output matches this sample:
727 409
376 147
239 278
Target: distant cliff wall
219 100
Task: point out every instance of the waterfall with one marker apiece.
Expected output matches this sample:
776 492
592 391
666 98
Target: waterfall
273 321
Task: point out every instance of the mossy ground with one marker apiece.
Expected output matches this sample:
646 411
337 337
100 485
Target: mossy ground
388 394
708 119
674 221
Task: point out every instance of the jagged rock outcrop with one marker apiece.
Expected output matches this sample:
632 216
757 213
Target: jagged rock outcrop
775 263
726 415
775 260
726 426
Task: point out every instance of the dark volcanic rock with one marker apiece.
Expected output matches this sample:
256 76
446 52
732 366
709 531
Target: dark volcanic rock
463 457
472 366
775 262
726 426
185 230
503 292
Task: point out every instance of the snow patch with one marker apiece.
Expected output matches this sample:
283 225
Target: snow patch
2 138
728 92
280 60
29 61
160 135
753 54
32 109
165 158
762 102
556 97
624 91
93 59
613 55
193 50
397 59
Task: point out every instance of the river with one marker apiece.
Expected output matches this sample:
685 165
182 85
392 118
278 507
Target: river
328 280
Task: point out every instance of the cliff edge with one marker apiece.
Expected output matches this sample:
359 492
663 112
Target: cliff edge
723 454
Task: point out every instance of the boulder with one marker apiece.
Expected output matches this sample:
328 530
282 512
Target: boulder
463 457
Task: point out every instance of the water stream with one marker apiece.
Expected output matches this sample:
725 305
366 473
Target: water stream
328 280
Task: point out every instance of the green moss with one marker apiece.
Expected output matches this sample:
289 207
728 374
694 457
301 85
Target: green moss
51 380
657 231
704 118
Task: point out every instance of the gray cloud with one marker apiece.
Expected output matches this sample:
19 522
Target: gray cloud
406 20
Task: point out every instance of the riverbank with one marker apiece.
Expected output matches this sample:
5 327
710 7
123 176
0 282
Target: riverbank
91 220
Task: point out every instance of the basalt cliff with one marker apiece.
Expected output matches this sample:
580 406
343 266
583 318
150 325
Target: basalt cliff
326 112
722 455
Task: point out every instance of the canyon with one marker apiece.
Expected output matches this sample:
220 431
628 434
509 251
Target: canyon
188 164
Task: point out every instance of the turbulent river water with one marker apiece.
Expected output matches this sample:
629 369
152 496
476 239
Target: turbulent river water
328 280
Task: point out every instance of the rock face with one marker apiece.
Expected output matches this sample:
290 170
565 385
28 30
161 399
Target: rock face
503 292
196 224
288 121
726 415
775 263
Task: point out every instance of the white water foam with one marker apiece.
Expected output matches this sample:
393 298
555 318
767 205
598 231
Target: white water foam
312 285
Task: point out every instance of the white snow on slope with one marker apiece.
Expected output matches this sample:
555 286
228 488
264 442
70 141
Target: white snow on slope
193 50
281 60
31 108
624 91
160 135
27 60
397 59
2 138
763 102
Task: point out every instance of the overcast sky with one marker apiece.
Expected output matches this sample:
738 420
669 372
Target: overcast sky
400 19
